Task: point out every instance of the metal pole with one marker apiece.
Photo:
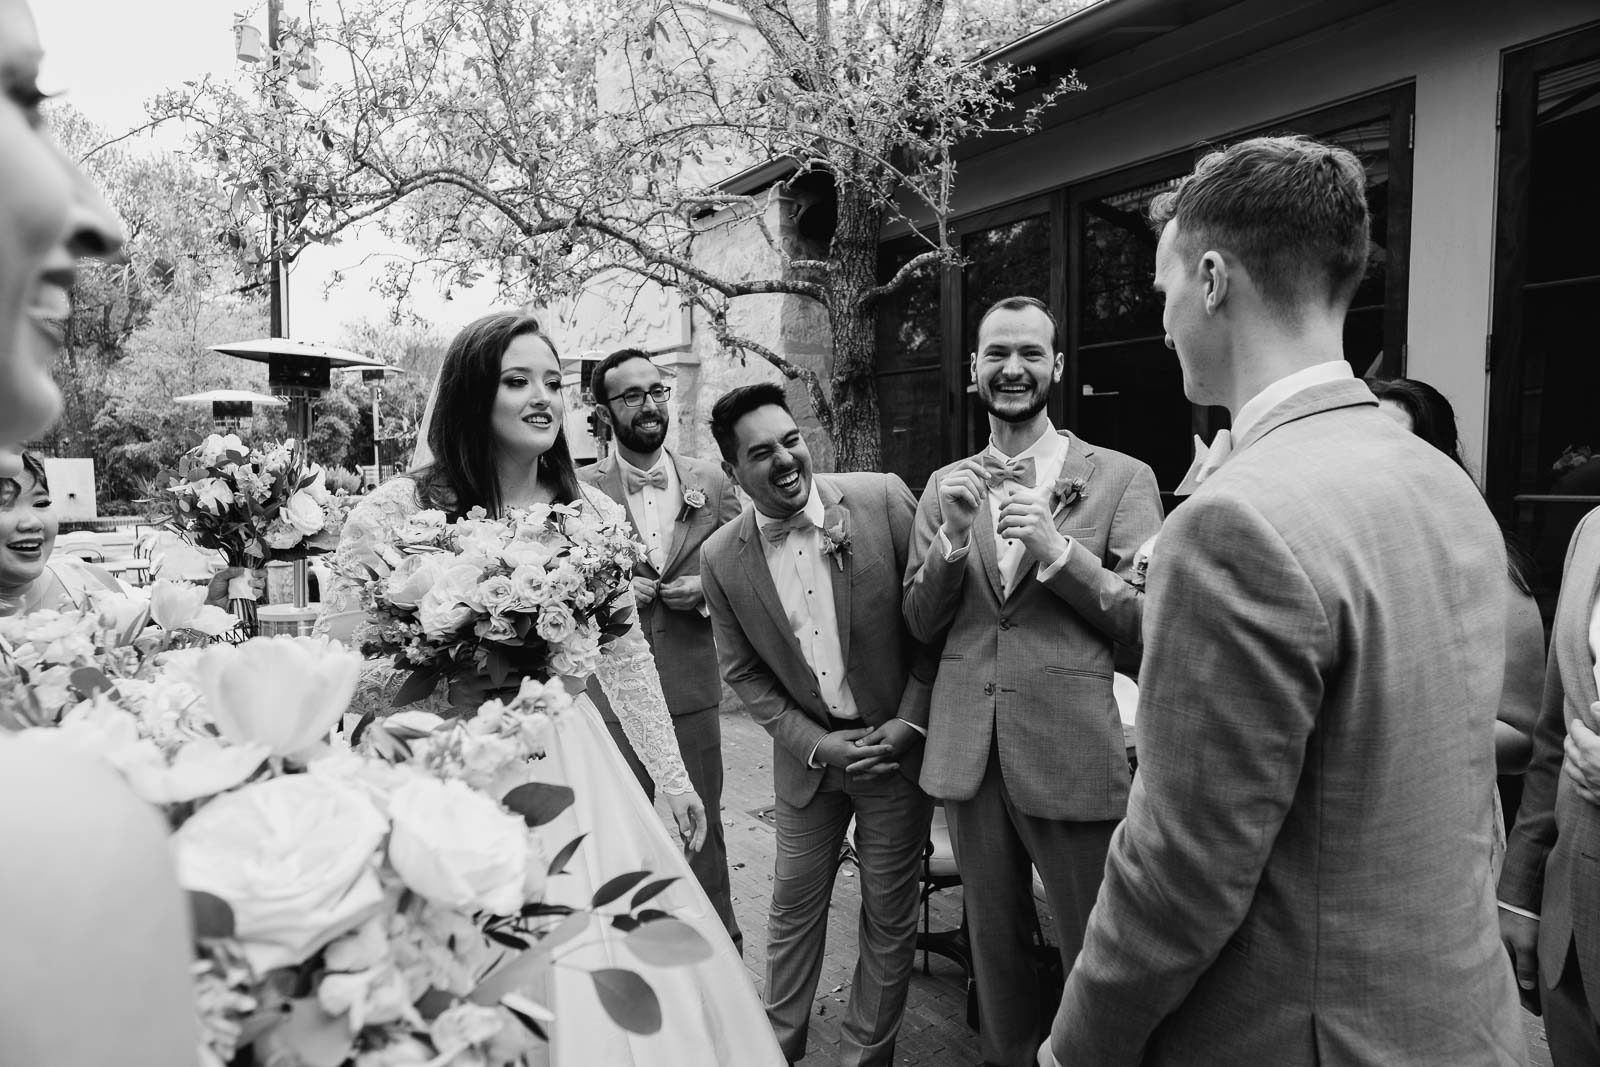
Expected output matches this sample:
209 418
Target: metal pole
377 455
275 286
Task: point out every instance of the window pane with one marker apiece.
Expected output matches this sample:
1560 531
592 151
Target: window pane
910 407
1119 264
908 320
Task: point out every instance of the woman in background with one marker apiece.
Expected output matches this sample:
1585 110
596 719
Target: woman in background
96 941
30 580
1423 410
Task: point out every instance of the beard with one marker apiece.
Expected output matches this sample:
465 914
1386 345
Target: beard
642 441
1041 400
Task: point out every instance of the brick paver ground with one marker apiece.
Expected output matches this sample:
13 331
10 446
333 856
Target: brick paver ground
934 1033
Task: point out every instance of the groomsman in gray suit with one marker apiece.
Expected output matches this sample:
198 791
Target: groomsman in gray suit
1550 886
674 503
1303 875
804 594
1022 565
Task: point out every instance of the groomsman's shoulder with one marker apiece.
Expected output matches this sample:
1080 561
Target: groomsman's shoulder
724 540
702 470
1118 465
592 474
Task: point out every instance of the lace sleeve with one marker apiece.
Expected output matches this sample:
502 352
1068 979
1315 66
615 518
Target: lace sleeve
627 673
343 616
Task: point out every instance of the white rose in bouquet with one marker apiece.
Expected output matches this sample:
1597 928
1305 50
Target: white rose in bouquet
525 552
412 579
279 534
458 847
576 657
295 857
214 495
423 527
318 487
446 607
495 594
215 446
284 692
303 513
182 606
556 623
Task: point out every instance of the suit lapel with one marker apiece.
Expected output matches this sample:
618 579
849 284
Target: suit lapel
1079 464
840 571
680 523
982 535
1577 658
754 557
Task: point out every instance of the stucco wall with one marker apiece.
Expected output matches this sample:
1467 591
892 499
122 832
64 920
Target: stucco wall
1450 49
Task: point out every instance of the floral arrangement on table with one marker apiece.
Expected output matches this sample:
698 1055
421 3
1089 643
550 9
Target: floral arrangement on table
253 505
369 904
538 592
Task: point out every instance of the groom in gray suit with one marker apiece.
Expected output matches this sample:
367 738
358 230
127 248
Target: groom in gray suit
1022 565
804 595
1303 875
673 503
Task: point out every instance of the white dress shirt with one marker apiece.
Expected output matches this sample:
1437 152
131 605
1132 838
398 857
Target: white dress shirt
654 510
805 588
1049 455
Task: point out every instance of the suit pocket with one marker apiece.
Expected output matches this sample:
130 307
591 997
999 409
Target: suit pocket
1074 672
1080 531
950 657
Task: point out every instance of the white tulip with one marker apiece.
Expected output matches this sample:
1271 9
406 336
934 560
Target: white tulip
284 692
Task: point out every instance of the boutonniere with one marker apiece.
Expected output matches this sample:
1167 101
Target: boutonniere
1067 492
836 535
694 498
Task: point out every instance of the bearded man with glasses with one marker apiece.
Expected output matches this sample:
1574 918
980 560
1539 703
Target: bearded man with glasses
674 502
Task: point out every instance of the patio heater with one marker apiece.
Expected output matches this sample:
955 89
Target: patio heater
231 408
298 372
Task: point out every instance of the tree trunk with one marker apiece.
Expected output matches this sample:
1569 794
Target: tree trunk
853 386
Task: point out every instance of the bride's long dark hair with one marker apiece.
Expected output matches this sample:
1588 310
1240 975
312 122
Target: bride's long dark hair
463 473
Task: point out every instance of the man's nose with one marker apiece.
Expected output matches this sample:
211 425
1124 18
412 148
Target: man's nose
94 230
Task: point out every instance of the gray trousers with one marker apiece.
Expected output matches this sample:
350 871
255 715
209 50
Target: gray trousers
997 847
892 816
700 742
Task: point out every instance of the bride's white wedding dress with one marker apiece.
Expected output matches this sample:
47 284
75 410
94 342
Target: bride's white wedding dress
710 1011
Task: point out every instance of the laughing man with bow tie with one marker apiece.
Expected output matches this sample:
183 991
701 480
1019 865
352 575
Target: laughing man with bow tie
1021 567
804 591
673 503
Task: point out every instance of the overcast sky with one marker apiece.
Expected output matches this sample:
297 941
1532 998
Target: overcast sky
109 56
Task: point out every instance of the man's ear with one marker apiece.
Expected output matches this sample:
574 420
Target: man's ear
1214 278
733 475
604 411
1060 367
972 368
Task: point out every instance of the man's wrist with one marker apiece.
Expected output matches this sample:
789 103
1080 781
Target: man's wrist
922 731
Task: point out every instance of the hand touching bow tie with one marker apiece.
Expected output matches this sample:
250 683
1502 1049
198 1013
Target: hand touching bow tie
778 532
997 471
634 480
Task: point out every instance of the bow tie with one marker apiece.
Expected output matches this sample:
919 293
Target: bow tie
778 532
1206 461
997 471
634 480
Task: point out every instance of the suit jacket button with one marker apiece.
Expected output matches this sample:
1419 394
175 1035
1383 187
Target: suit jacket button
988 689
1005 624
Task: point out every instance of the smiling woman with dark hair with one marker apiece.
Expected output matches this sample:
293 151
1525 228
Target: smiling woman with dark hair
29 579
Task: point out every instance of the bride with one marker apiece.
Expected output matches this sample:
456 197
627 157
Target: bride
496 441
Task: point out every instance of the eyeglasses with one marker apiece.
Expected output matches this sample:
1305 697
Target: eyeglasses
634 398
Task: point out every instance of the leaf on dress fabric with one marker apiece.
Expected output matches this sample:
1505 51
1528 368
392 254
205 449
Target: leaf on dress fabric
418 684
649 890
317 1038
539 802
518 973
564 931
89 681
434 1003
616 887
559 864
668 942
628 999
212 916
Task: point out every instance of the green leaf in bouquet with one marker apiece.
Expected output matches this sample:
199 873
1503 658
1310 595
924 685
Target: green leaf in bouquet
625 923
572 926
89 681
650 915
668 943
500 937
420 683
362 723
539 802
649 890
212 916
529 1014
517 973
198 474
559 864
616 887
434 1003
628 999
496 663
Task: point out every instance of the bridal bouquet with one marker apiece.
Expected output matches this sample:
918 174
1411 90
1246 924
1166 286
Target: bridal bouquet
537 593
370 904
